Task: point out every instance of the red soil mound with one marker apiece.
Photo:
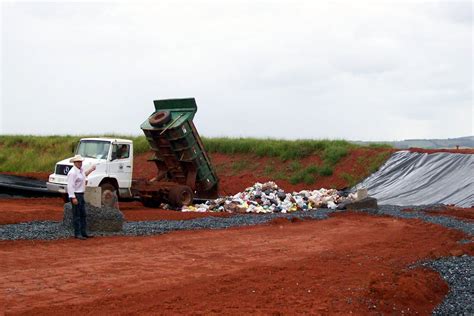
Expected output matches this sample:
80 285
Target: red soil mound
239 171
231 182
352 263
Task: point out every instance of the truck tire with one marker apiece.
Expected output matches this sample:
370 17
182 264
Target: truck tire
180 195
159 118
109 195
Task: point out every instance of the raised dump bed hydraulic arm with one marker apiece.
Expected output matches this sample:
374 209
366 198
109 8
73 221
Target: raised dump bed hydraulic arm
184 168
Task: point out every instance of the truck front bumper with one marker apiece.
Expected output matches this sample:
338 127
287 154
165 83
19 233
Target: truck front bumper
56 187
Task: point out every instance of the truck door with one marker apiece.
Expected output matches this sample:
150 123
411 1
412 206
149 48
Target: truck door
120 166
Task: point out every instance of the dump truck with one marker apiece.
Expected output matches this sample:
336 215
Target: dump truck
183 168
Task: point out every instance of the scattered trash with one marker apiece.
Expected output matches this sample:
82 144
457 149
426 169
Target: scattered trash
269 198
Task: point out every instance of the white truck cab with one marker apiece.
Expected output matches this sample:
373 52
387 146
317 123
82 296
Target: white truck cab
113 159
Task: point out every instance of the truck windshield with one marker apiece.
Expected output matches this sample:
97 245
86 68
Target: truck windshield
93 149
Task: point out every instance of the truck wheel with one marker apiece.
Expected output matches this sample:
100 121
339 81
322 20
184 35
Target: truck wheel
159 118
181 195
108 195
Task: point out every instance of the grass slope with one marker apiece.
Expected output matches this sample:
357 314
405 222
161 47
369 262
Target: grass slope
27 153
22 154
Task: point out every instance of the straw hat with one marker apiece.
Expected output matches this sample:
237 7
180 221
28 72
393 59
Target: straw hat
76 158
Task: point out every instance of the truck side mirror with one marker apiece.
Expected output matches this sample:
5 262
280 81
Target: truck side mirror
73 147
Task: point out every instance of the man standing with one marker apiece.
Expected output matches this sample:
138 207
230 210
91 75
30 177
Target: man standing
76 185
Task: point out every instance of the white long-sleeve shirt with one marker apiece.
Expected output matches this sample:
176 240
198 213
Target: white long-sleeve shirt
76 181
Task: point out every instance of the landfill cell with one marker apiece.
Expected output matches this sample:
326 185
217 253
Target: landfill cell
351 262
232 181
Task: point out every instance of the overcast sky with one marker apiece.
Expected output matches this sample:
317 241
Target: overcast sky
358 70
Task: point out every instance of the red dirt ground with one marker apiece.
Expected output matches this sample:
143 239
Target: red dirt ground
43 209
351 263
30 209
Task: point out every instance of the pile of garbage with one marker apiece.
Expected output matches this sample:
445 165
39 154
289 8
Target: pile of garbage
269 198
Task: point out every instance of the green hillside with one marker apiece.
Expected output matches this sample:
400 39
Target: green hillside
29 154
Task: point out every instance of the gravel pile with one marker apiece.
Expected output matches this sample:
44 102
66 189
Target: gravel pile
46 230
101 219
458 273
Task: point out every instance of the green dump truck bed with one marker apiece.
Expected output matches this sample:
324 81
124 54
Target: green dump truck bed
179 154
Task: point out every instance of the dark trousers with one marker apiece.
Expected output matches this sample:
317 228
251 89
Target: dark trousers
79 215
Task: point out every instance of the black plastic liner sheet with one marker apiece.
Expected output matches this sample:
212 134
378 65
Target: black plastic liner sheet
409 178
12 186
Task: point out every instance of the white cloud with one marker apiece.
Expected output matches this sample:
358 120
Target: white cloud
366 70
2 116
